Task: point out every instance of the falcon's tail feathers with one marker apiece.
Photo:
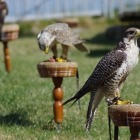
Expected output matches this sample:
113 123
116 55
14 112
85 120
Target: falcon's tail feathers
95 99
81 47
89 122
77 96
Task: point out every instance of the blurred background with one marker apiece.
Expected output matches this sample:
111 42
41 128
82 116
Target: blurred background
26 111
52 9
126 11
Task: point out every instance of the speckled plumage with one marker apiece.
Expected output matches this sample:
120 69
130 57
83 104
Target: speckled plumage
110 73
63 34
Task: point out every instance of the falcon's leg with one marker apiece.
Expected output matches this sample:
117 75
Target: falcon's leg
117 100
64 51
118 90
54 50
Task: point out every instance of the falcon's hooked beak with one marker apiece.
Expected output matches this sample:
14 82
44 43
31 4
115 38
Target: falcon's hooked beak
138 33
46 50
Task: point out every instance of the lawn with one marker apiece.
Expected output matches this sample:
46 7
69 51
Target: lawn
26 111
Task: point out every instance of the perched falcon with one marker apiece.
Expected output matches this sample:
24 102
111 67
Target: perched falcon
3 12
63 34
110 74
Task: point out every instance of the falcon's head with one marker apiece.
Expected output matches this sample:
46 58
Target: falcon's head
132 33
45 41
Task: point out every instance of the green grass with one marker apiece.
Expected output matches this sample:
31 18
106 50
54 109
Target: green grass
26 101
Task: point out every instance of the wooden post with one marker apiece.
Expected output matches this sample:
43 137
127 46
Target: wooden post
57 71
134 130
58 96
127 115
7 56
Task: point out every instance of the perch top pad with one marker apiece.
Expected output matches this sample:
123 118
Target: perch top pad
57 69
9 32
125 115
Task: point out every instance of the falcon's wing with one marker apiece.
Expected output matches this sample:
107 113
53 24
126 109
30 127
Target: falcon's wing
106 67
66 36
56 27
71 38
82 47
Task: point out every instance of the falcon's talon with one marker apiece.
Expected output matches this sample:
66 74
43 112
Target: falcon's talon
63 57
116 99
54 57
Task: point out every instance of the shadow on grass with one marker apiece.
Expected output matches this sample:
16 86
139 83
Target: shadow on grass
107 40
50 125
15 119
112 35
101 39
105 45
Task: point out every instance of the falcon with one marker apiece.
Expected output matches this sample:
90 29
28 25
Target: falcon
110 74
63 34
3 12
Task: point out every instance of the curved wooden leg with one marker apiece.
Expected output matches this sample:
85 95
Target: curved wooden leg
58 96
7 57
134 130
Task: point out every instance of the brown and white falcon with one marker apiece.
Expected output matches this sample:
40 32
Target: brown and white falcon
110 74
63 34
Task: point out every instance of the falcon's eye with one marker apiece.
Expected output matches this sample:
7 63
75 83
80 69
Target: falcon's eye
132 32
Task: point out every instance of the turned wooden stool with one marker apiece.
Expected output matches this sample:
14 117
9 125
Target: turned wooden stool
57 70
126 115
72 22
9 32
